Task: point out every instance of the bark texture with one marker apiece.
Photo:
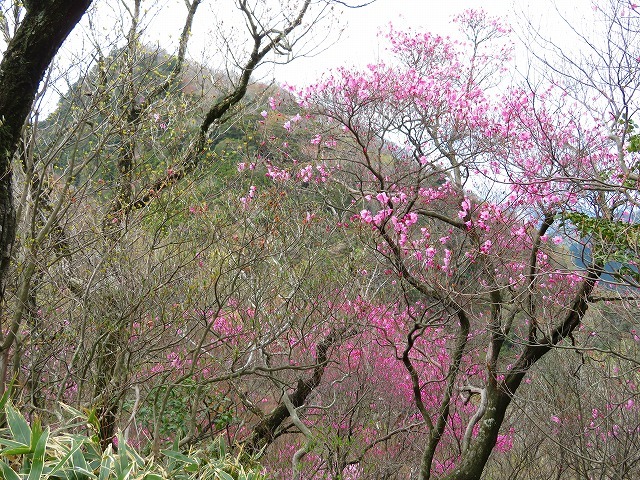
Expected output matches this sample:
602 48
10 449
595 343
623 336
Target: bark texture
265 432
45 26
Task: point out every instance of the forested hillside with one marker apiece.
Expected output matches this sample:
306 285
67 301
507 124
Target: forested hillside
423 268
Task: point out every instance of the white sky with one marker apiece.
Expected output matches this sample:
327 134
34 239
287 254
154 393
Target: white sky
359 43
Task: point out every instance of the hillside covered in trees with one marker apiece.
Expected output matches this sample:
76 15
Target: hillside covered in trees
410 270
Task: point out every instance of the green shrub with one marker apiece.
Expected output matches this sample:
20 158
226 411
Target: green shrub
29 452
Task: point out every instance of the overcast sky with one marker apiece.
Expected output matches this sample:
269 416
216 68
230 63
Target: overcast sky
359 42
358 45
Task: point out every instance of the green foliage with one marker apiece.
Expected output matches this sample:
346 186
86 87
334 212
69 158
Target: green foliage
618 237
634 143
31 453
612 232
614 243
634 138
179 407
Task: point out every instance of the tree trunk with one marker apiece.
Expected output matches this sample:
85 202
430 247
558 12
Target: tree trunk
500 394
264 433
45 26
474 460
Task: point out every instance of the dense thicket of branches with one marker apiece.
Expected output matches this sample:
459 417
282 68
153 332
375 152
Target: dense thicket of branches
410 270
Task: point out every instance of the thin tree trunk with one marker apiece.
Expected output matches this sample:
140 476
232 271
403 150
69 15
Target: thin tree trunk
499 395
264 433
45 26
435 435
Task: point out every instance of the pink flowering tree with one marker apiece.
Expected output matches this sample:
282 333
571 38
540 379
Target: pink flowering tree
363 420
500 211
